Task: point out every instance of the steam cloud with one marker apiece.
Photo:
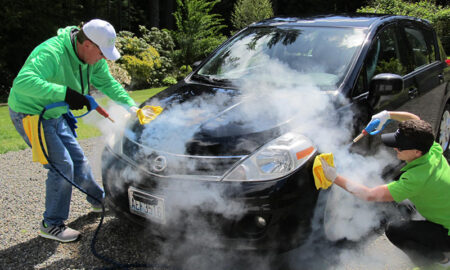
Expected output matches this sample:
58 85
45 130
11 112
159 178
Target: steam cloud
342 215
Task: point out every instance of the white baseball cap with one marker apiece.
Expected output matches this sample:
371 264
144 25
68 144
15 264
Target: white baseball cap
102 33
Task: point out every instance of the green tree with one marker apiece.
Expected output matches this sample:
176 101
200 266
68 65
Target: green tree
248 11
426 9
198 32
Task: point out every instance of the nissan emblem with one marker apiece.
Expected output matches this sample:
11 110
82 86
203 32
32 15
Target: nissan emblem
159 164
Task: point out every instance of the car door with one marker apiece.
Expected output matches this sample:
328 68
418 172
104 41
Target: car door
426 88
385 55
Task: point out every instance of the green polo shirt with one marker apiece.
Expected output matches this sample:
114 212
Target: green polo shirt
426 183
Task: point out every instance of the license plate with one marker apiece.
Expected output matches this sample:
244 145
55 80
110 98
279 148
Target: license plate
146 205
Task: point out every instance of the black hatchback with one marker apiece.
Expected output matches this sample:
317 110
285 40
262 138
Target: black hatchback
229 160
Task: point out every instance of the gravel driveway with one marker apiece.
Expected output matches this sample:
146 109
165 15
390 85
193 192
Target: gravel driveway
22 185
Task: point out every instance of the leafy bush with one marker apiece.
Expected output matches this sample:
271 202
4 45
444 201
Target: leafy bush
148 59
141 67
248 11
169 80
161 40
119 73
184 71
128 44
437 15
198 32
442 25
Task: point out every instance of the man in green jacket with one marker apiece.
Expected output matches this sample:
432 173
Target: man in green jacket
425 182
62 69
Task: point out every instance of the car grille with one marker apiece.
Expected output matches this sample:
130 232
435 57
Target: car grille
169 164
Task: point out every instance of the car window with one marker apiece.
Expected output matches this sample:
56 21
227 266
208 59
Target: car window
383 57
422 44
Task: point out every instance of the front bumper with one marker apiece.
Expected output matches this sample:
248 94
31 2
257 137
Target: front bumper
266 215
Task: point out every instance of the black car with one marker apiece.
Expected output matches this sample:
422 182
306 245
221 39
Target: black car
228 161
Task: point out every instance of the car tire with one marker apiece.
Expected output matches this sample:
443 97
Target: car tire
443 137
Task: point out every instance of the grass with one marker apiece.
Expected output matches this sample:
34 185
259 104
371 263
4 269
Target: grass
10 140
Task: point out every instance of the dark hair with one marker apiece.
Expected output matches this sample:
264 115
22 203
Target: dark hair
81 36
418 131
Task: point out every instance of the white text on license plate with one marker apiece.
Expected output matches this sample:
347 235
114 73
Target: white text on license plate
146 205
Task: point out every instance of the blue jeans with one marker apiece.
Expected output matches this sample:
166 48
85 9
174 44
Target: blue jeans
66 155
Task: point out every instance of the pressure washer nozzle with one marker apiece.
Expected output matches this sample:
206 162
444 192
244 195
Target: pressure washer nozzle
360 136
102 111
369 129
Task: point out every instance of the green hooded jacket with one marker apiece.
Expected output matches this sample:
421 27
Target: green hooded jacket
51 67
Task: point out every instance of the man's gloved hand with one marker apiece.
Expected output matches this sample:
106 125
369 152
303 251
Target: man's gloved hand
76 100
133 109
383 117
329 171
148 113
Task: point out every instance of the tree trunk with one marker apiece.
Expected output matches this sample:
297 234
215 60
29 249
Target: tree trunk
167 8
153 11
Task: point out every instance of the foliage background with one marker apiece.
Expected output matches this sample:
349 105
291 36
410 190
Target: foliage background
246 12
151 23
436 14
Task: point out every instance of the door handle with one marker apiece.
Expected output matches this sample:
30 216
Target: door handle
413 93
441 78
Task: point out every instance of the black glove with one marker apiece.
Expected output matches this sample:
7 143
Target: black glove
76 100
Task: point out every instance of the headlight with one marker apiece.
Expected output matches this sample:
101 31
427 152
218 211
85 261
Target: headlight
276 159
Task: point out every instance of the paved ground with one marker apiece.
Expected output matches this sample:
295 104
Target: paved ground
22 185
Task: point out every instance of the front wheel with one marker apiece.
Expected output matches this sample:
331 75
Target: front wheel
444 131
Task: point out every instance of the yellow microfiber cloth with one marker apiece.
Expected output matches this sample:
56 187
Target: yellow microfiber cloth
148 113
319 178
30 125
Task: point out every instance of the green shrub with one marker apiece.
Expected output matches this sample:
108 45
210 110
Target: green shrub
141 67
148 59
198 32
119 73
161 40
438 16
246 12
169 80
184 71
442 24
128 44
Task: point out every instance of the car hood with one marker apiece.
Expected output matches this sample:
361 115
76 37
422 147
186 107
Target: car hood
203 120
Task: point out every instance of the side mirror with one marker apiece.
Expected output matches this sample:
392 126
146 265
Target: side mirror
386 84
196 64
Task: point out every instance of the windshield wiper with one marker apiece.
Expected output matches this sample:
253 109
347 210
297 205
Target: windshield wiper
210 79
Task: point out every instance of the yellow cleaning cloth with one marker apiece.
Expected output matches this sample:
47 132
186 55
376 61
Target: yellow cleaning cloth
30 125
319 178
148 113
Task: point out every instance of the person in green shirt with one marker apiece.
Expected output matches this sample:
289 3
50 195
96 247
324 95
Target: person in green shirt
62 68
425 181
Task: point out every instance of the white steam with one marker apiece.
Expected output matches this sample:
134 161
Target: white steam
281 93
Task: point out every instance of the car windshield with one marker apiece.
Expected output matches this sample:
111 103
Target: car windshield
320 54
